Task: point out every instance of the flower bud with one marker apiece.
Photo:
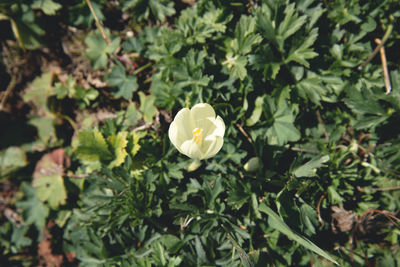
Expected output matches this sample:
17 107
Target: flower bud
252 165
194 165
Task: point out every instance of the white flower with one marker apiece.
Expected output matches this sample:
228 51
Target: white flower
196 132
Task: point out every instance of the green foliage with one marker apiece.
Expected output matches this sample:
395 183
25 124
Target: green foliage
97 176
126 84
142 9
98 51
11 159
34 210
49 7
69 88
276 222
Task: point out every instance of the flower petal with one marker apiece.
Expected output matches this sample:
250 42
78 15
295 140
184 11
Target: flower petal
202 111
207 125
220 127
213 145
174 136
191 149
185 124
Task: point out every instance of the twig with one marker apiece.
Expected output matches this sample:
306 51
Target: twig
323 125
10 87
386 188
143 127
384 39
98 23
318 211
244 133
384 67
305 150
79 176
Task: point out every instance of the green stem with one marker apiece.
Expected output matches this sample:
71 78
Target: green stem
142 68
98 23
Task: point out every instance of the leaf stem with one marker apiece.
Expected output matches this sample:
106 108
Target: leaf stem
98 23
142 68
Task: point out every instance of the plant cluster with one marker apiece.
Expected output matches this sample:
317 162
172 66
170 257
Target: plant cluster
308 173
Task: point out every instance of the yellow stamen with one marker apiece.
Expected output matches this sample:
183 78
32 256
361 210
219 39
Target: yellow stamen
198 136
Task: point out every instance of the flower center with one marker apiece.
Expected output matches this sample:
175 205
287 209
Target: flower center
198 136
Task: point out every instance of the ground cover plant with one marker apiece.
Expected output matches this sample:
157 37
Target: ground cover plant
305 171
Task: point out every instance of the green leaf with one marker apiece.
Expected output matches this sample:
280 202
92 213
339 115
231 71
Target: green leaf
311 88
147 107
19 238
282 130
304 52
49 7
236 66
126 84
48 178
39 90
45 128
98 50
132 115
26 29
245 36
277 223
92 146
133 143
34 210
291 23
118 143
310 168
366 106
12 159
160 9
369 25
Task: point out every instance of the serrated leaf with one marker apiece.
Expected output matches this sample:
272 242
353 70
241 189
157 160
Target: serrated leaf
245 36
363 102
118 143
92 146
304 52
265 24
159 9
276 222
147 107
126 83
34 210
311 88
48 178
133 144
291 23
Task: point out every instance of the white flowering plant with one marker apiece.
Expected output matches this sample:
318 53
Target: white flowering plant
197 132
